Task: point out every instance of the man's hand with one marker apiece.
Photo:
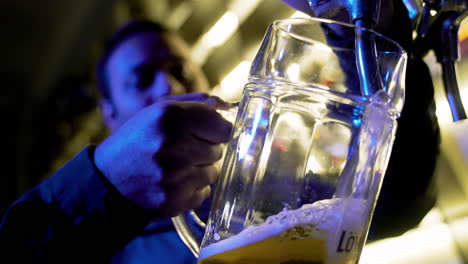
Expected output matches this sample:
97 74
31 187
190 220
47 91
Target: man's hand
163 158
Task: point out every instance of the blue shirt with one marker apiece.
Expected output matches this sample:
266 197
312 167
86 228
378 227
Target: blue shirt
76 216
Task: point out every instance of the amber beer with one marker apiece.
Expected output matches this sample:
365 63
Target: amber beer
309 235
275 249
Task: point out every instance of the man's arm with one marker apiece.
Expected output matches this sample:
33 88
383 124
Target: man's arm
73 216
157 165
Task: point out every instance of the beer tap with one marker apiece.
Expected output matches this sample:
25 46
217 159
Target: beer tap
436 26
437 30
365 15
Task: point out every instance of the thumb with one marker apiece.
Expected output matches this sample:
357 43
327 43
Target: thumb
218 103
193 97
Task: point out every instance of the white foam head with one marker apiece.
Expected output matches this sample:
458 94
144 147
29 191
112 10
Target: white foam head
324 215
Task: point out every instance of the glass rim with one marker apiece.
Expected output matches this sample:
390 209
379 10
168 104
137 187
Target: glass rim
277 24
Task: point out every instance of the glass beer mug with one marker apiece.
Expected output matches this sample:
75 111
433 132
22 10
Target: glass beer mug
308 151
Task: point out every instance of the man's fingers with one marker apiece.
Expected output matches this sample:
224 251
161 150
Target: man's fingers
213 101
188 151
206 175
188 202
196 199
202 152
194 177
218 103
194 118
199 196
190 194
188 97
207 124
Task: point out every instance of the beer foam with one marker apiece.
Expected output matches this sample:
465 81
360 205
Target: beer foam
319 220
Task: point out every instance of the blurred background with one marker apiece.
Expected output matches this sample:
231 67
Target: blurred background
48 108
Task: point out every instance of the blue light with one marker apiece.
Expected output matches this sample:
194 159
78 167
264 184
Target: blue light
248 137
357 122
245 141
453 107
412 8
386 79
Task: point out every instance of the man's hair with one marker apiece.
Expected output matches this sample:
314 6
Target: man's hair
131 28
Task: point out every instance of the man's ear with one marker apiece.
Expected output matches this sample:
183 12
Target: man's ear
109 114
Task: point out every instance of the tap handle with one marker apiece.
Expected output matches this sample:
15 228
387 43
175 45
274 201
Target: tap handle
364 10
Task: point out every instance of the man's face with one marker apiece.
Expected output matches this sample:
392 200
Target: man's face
145 67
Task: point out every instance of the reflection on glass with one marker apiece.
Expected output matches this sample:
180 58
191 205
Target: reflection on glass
462 65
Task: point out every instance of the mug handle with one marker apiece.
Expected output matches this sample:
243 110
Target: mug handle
188 225
190 229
